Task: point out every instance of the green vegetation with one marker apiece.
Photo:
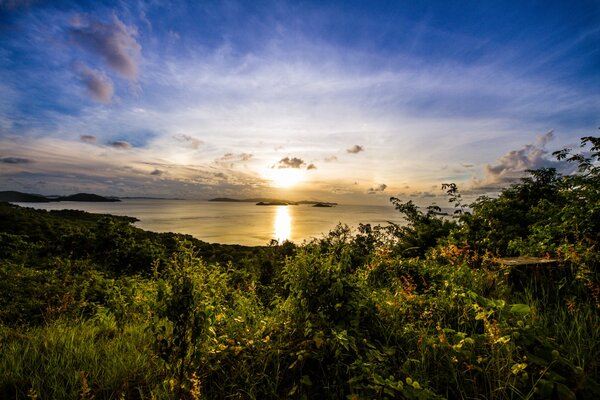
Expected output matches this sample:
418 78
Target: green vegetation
92 307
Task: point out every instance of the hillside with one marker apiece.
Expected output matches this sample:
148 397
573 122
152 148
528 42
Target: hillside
88 197
18 197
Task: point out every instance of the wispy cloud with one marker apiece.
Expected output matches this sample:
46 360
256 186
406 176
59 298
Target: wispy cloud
15 160
99 86
187 140
88 138
115 42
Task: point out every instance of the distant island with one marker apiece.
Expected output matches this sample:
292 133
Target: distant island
324 205
275 203
19 197
262 201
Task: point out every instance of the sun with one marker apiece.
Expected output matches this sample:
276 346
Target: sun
285 177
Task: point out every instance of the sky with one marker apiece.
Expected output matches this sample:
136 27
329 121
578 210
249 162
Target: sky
348 101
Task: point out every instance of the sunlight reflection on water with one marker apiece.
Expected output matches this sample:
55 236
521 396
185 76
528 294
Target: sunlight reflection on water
235 223
283 224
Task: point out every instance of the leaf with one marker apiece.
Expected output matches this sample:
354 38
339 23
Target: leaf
521 309
305 380
318 341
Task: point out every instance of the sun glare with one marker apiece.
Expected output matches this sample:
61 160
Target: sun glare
285 177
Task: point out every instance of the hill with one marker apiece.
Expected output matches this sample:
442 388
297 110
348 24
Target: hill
18 197
12 196
88 197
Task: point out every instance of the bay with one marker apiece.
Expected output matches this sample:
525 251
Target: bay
235 223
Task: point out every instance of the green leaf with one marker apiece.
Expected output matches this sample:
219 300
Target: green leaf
521 309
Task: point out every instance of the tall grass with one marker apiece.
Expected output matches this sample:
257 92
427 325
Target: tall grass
68 359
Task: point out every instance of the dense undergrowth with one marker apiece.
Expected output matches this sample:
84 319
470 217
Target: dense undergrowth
93 308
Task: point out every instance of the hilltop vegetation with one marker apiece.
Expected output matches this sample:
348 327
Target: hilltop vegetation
92 307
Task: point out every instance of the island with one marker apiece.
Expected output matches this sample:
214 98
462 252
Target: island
324 205
264 201
273 203
88 197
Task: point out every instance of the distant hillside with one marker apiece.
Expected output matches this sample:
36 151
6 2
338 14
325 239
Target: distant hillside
227 200
90 197
11 196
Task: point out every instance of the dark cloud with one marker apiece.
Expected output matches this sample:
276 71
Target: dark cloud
330 159
311 166
120 144
15 160
156 172
288 162
115 42
98 85
88 138
377 189
188 140
422 194
355 149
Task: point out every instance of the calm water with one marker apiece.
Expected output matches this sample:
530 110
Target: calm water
235 223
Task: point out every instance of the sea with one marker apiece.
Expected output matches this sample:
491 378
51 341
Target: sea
236 223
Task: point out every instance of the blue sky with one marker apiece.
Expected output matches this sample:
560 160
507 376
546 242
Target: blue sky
352 101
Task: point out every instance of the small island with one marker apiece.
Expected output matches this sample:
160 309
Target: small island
264 201
324 205
273 203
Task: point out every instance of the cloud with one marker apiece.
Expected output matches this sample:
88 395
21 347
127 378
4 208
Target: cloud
423 194
514 164
98 85
156 172
288 162
88 138
115 42
377 189
355 149
235 157
330 159
120 144
188 140
15 160
311 166
230 159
